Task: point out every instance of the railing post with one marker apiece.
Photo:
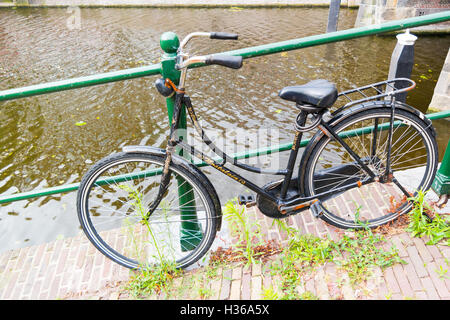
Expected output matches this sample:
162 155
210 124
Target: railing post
402 61
191 233
333 15
441 183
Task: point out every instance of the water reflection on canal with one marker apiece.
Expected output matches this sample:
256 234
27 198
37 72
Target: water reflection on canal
52 139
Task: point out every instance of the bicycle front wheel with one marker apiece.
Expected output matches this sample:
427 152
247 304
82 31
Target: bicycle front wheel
113 209
413 160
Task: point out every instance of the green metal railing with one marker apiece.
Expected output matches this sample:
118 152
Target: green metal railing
235 156
169 43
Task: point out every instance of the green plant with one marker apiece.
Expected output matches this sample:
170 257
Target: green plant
307 295
357 252
269 294
246 231
442 273
437 230
154 278
302 254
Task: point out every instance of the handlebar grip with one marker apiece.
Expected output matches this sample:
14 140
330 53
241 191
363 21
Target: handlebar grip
223 36
234 62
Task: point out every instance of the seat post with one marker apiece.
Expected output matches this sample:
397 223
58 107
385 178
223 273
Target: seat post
293 155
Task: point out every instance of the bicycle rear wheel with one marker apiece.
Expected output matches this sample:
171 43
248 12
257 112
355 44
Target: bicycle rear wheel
113 202
413 161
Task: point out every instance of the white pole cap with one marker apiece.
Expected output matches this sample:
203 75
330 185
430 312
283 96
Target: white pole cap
406 38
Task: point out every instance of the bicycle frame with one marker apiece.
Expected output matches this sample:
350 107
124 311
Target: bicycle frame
284 204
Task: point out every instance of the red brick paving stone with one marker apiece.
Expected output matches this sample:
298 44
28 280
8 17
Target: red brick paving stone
267 281
423 251
396 296
402 281
383 291
53 291
307 217
4 260
88 265
420 295
417 261
434 251
9 285
411 274
311 229
235 291
94 281
428 287
256 288
439 283
17 290
26 267
331 279
62 259
226 284
372 283
322 231
256 269
246 286
349 201
215 288
36 290
406 239
445 251
397 241
333 232
442 262
321 285
391 280
236 273
274 235
310 286
346 288
21 259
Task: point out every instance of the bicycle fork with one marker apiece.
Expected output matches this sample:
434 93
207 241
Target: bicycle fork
170 148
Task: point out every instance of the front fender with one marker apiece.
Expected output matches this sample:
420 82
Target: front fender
180 161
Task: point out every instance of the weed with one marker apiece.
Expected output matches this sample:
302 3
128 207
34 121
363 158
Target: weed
357 253
442 273
307 295
148 281
246 231
269 294
149 278
437 230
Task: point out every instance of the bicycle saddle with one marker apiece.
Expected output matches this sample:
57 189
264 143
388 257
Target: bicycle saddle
319 93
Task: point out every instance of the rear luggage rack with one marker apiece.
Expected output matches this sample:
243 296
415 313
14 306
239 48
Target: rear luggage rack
381 89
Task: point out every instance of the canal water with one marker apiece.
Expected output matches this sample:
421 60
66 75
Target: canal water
53 139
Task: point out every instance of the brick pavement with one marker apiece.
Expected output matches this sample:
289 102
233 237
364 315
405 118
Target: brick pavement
71 268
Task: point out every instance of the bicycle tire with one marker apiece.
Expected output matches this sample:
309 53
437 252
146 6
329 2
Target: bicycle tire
377 203
106 192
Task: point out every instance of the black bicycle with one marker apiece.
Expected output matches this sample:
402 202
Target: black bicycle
146 205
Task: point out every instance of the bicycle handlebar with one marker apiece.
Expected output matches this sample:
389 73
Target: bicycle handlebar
184 61
211 35
234 62
223 36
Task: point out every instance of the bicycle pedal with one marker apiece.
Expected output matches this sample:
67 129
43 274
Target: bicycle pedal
316 209
250 204
248 201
